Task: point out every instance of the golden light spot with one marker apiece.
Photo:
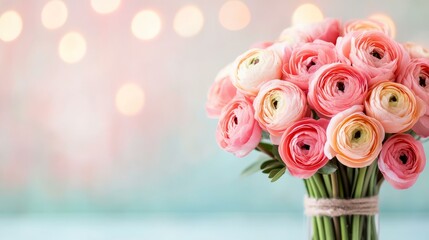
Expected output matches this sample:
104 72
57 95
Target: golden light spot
72 47
385 19
54 14
307 13
129 99
234 15
146 25
189 21
105 6
10 26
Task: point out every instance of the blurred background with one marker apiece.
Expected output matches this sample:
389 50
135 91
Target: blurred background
103 131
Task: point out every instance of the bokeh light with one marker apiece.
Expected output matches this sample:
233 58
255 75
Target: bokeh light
189 21
234 15
306 14
54 14
146 25
129 99
383 18
105 6
72 47
10 26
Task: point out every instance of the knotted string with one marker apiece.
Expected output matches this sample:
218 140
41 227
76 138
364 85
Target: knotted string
332 207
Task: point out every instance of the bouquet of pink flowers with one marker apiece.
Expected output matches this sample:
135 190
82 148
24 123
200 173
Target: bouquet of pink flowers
342 106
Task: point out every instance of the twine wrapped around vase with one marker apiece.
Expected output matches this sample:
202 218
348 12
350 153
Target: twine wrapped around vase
332 207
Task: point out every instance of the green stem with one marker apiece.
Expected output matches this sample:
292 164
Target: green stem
369 228
343 219
319 221
374 227
355 178
307 187
380 181
351 178
314 221
368 177
345 179
358 194
344 233
319 185
335 195
320 227
329 228
315 229
327 184
329 232
334 181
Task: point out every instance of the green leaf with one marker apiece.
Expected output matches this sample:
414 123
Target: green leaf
273 165
274 172
278 175
266 163
275 152
329 168
266 146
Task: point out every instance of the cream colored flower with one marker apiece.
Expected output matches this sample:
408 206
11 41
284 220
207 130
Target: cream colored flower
253 68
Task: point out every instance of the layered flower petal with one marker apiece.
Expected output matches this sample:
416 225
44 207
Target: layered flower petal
367 25
354 138
237 131
327 30
253 68
337 87
416 77
301 147
394 106
302 61
374 53
401 161
279 104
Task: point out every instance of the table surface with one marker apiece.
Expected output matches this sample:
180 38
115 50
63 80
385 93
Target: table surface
189 227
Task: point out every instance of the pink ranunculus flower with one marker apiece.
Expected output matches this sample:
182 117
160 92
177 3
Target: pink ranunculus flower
301 147
279 104
221 93
337 87
394 106
415 75
415 50
367 25
237 131
373 52
401 161
253 68
328 30
354 138
300 62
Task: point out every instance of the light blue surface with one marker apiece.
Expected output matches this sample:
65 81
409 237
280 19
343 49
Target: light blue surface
197 227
